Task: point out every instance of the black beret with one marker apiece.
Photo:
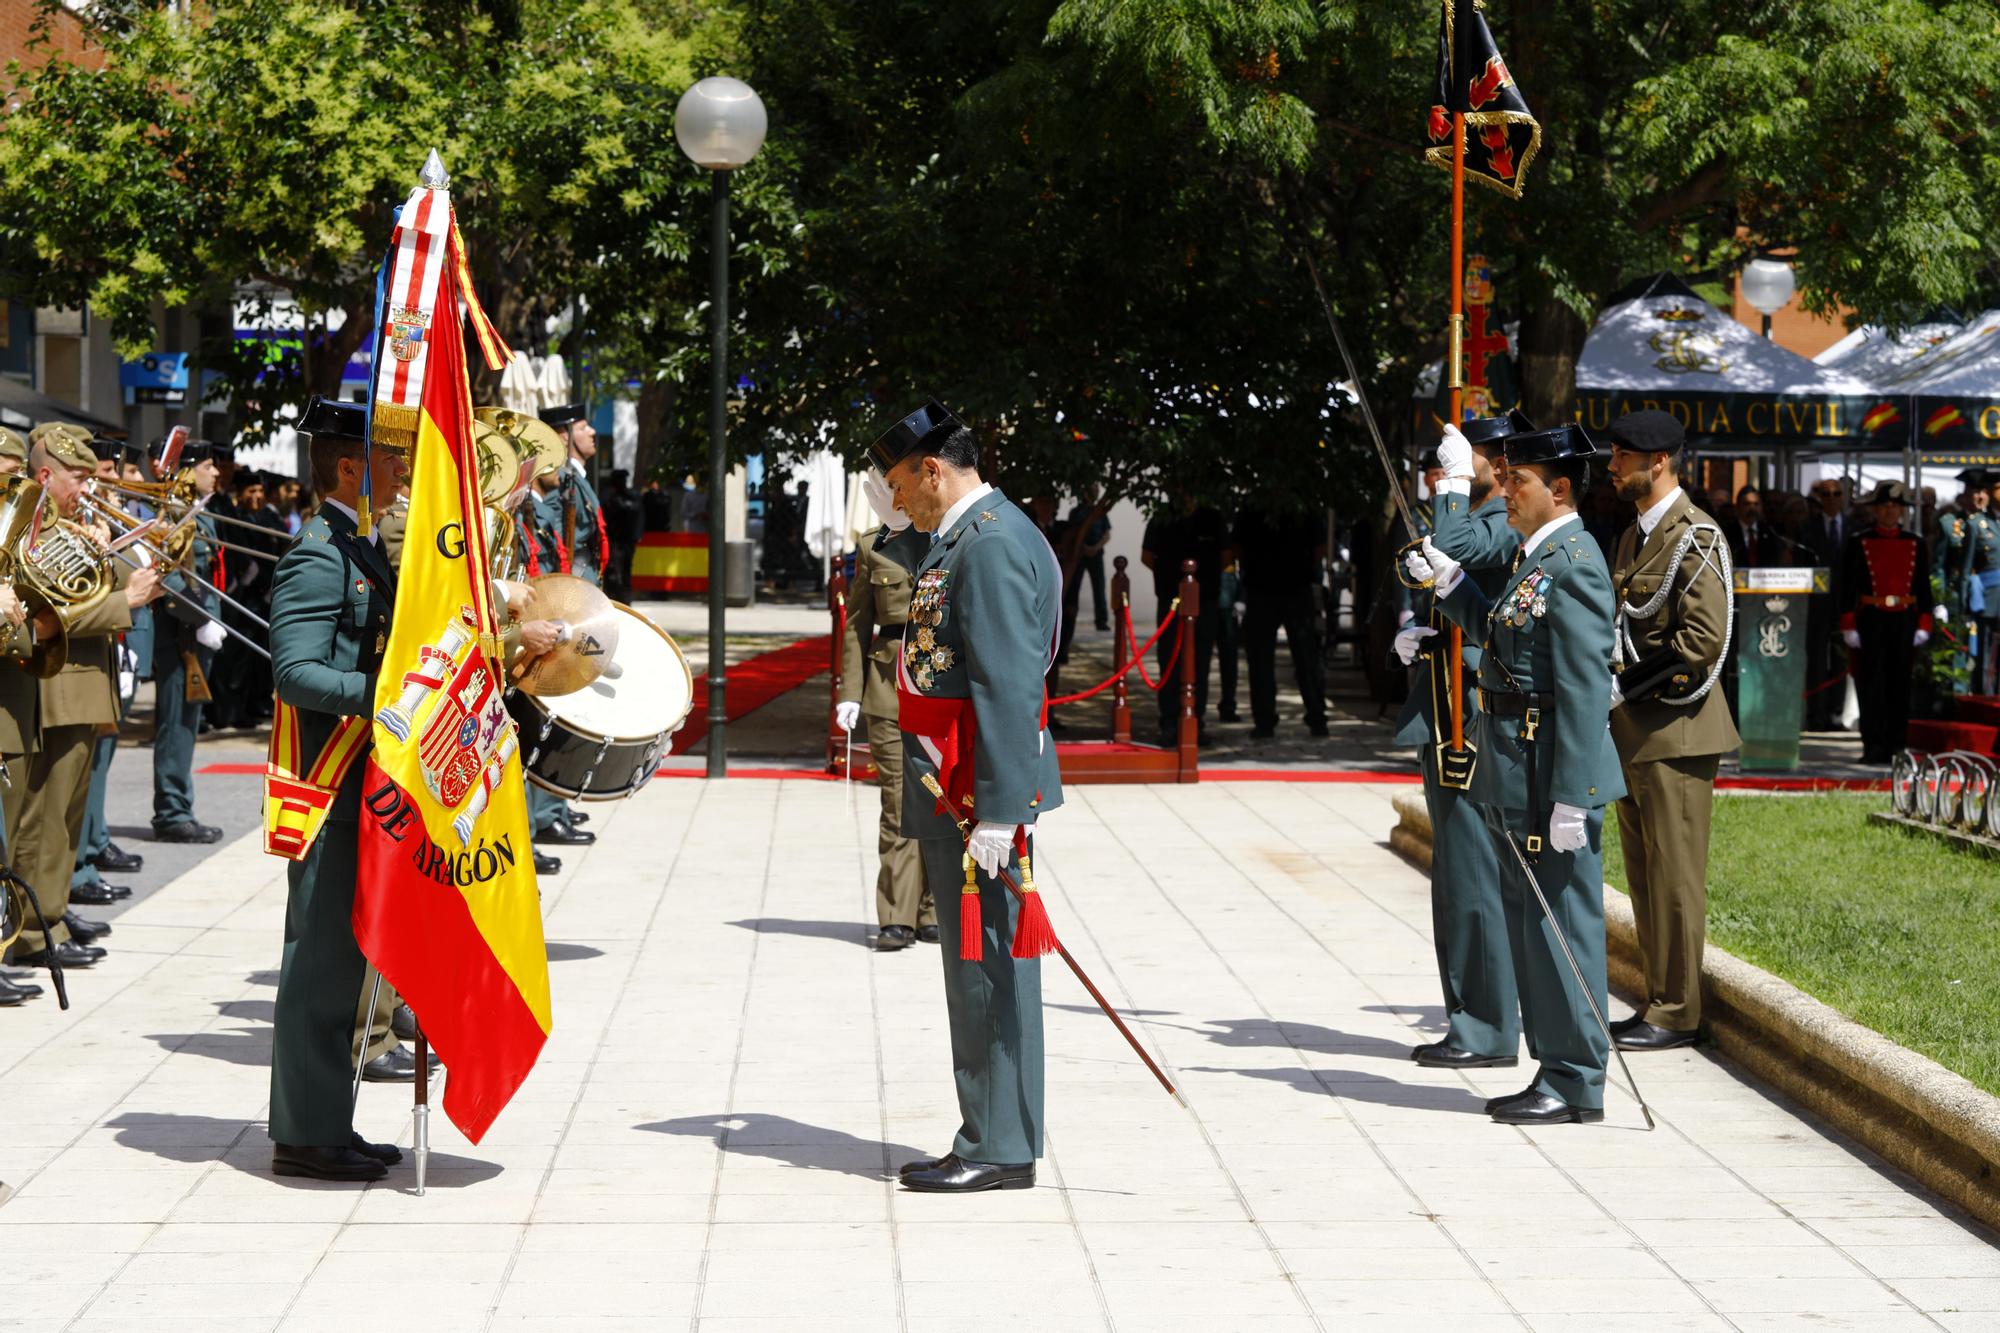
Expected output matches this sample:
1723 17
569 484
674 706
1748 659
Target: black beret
568 414
926 428
1493 430
1650 431
1549 446
335 419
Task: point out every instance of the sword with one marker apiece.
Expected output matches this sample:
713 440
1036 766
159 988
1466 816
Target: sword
1582 985
965 831
1367 414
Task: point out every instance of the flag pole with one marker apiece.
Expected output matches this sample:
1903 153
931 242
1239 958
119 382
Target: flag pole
1455 377
421 1113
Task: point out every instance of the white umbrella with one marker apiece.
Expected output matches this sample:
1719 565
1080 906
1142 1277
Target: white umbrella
517 384
554 386
826 505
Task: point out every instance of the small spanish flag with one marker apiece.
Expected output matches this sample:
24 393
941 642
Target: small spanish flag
1945 418
1880 417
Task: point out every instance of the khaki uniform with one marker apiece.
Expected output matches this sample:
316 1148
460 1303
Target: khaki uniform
878 604
1669 752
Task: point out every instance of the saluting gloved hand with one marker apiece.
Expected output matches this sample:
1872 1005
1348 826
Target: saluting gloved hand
990 845
1567 829
1851 637
1410 642
1921 637
882 501
1429 565
846 713
1455 455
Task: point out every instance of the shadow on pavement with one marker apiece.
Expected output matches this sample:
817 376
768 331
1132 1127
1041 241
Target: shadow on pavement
1249 1032
1429 1017
782 1139
847 932
1380 1091
572 953
242 1145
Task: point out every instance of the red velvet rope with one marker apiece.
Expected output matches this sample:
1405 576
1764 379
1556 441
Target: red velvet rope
1137 660
1139 654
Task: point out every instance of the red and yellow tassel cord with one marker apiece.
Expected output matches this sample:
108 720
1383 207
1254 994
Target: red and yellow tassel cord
969 925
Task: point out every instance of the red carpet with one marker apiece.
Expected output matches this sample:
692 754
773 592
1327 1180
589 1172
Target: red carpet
754 682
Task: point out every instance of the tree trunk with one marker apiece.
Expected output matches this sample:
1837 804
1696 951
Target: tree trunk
1551 340
655 413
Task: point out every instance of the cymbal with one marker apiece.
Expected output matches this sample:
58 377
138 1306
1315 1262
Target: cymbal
593 641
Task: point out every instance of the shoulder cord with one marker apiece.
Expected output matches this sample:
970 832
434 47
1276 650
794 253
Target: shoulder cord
1716 558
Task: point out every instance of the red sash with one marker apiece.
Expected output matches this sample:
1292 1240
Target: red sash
951 728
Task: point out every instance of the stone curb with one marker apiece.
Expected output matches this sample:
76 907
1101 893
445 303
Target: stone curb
1905 1107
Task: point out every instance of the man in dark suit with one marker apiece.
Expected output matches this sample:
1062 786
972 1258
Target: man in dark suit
1751 540
1825 534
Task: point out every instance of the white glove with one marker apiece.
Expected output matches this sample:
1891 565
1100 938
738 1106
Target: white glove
1567 831
1617 694
990 845
1941 614
846 713
882 502
1455 455
1404 617
210 635
1429 565
1410 642
1851 637
1921 637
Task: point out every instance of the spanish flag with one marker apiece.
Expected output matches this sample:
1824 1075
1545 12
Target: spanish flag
1880 417
1943 419
445 905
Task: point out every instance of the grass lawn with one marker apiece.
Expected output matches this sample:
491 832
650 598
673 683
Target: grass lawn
1898 931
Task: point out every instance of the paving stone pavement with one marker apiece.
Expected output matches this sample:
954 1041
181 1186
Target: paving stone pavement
709 1140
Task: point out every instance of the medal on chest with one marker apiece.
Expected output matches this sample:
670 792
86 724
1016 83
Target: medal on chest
1528 601
926 658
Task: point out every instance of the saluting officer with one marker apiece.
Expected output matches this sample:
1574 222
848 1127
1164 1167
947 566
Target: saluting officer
878 605
582 512
984 623
1546 765
184 644
1886 601
1468 919
1671 724
331 598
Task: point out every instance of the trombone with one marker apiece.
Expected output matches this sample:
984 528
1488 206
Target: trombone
171 554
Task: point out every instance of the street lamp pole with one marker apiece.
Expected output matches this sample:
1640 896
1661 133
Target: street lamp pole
719 123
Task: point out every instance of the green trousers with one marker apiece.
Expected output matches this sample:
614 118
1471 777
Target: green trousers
176 723
995 1010
1563 1034
543 808
1469 924
901 896
319 989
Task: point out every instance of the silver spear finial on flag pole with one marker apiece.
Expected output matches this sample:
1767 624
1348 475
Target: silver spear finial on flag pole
433 175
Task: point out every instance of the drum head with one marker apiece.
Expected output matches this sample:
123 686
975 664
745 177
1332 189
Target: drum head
650 694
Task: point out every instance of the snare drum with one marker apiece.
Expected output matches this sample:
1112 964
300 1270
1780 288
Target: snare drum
604 741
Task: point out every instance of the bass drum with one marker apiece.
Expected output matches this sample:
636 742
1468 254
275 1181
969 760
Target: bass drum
605 741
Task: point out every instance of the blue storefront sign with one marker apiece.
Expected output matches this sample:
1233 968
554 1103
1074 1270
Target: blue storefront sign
156 377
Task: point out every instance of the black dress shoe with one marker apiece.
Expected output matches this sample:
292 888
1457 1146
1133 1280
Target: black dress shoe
1625 1025
119 891
94 895
928 934
69 954
11 995
83 929
1651 1037
565 834
955 1175
577 817
925 1164
1539 1108
1493 1103
116 860
388 1154
547 865
395 1065
403 1022
891 938
324 1163
186 830
1444 1055
27 988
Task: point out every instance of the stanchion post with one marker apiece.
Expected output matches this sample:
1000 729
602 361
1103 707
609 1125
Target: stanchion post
836 600
1190 612
1121 612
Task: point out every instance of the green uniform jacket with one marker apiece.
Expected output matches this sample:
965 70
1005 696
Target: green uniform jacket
1948 559
1480 540
879 596
1548 633
984 616
175 618
588 557
1693 621
330 602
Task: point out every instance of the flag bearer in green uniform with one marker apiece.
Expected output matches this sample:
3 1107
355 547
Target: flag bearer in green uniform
1547 767
985 619
878 604
330 603
1468 919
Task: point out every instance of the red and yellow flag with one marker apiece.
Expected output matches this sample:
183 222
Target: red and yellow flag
445 905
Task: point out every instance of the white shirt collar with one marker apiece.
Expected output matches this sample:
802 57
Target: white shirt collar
352 516
1542 534
577 464
1651 518
957 511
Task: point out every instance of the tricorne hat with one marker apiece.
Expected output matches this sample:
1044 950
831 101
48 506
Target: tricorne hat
1495 430
1554 445
1889 491
928 426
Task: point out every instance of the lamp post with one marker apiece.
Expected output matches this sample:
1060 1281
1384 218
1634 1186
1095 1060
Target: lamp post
1767 285
720 125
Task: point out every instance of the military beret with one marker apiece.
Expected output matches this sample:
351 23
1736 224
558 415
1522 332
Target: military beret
568 414
1494 430
12 445
926 428
66 442
1650 431
1549 446
1889 492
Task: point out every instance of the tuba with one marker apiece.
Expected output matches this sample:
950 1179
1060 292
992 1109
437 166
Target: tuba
53 564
